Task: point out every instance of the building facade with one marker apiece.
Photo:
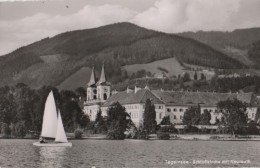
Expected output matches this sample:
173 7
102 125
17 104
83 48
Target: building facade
97 93
167 103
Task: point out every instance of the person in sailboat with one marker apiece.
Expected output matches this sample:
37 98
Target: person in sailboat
42 140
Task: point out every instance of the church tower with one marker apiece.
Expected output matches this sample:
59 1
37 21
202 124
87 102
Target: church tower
103 87
91 86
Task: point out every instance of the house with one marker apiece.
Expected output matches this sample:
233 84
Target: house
160 75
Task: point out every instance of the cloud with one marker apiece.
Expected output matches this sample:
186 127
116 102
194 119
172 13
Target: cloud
30 29
192 15
164 15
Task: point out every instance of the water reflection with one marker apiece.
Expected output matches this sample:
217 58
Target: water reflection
51 157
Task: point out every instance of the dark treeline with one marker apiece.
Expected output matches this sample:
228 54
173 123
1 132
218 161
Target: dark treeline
254 52
21 109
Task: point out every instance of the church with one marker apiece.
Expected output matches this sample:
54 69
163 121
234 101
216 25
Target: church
167 103
97 94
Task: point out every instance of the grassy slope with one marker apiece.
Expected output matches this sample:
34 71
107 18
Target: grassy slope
170 64
78 79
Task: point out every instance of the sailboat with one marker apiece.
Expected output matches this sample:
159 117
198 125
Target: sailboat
52 126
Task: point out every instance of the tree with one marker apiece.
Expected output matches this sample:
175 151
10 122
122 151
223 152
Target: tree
202 76
205 118
192 116
80 92
70 110
163 133
78 134
257 116
186 77
195 76
20 129
84 120
165 121
118 121
100 123
5 130
149 116
7 107
234 114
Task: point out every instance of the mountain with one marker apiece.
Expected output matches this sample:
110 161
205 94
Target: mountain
234 44
51 61
254 53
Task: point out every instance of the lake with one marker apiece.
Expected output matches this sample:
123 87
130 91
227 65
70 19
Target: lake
131 153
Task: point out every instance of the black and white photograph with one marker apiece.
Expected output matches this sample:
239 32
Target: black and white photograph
129 83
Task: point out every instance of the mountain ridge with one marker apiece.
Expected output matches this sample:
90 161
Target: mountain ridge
52 60
235 44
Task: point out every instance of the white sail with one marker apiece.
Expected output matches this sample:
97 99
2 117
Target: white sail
49 124
60 135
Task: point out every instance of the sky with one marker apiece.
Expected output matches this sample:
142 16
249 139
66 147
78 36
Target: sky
24 22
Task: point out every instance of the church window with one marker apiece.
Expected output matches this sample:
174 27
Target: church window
174 109
105 96
168 110
95 91
174 117
181 110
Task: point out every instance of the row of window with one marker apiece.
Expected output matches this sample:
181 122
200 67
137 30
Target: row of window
210 110
131 106
175 110
159 107
175 117
182 110
134 115
137 106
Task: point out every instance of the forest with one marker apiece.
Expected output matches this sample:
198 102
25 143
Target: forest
21 109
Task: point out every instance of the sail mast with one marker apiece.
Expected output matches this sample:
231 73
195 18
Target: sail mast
60 135
49 124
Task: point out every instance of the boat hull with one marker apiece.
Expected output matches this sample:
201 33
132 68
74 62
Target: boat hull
67 144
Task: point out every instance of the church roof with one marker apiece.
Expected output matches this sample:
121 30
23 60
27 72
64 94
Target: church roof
133 98
202 98
92 80
102 79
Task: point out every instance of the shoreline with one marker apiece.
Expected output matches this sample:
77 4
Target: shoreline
174 137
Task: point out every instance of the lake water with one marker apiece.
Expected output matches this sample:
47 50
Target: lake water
130 153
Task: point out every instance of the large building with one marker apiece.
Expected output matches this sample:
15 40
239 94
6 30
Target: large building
167 103
97 94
